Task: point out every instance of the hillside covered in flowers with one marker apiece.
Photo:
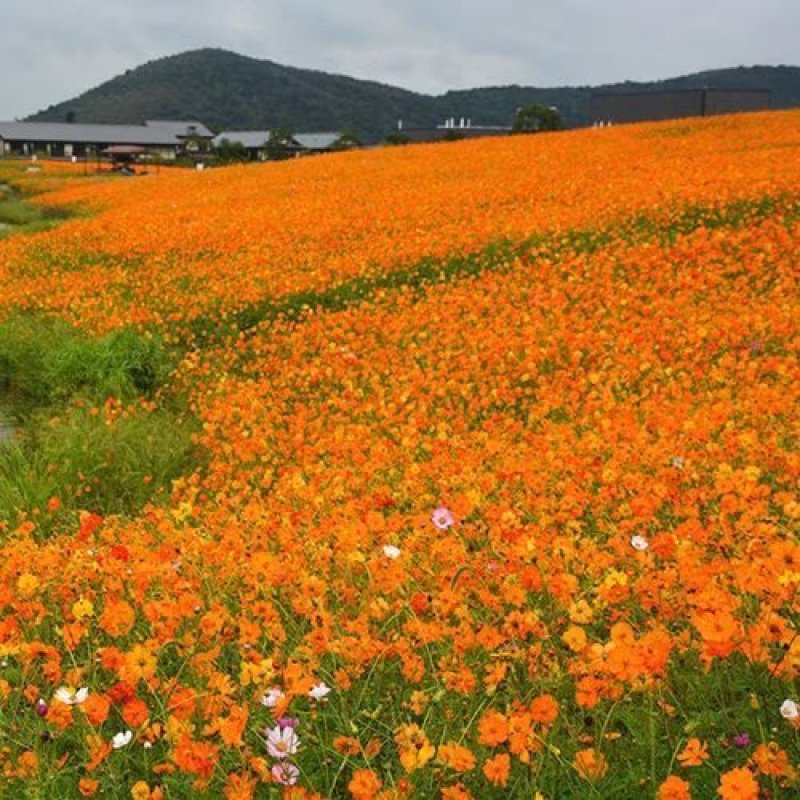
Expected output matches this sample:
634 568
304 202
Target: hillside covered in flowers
456 471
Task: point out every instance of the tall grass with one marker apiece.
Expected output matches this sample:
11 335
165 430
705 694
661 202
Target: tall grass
43 360
93 433
102 460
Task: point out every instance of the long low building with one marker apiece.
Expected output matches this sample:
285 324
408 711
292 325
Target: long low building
160 138
616 107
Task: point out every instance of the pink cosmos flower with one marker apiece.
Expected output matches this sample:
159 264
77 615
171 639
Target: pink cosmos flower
285 773
442 518
282 742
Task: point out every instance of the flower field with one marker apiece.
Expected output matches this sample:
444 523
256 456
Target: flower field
493 481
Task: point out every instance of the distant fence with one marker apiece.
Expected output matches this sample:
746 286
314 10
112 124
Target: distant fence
614 107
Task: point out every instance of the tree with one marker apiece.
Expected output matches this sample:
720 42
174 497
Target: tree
535 118
348 140
279 145
229 152
397 138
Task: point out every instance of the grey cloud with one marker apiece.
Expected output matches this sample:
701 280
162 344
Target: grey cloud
51 50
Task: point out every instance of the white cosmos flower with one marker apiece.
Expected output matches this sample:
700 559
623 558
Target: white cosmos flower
790 709
68 695
121 739
282 742
390 551
319 691
639 543
272 697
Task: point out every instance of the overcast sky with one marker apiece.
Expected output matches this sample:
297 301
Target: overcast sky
52 50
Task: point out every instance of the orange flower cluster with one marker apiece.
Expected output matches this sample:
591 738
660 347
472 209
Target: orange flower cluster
169 248
507 535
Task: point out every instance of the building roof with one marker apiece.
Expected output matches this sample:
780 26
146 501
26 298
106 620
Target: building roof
181 128
317 141
257 139
79 133
250 139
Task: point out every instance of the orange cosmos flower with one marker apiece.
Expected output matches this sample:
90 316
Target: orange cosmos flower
232 728
415 747
240 786
770 759
96 707
456 757
141 791
140 664
135 712
544 709
199 758
720 631
347 745
493 729
117 618
457 792
496 769
88 786
575 638
694 754
590 764
364 785
738 784
674 788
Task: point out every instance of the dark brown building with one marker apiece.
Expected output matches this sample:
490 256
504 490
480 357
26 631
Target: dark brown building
616 107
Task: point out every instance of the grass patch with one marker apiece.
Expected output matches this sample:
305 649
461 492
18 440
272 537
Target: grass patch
95 431
15 212
19 216
107 460
45 360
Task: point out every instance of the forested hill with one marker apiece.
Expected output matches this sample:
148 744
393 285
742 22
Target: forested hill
229 91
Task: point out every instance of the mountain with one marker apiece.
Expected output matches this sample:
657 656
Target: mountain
230 91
